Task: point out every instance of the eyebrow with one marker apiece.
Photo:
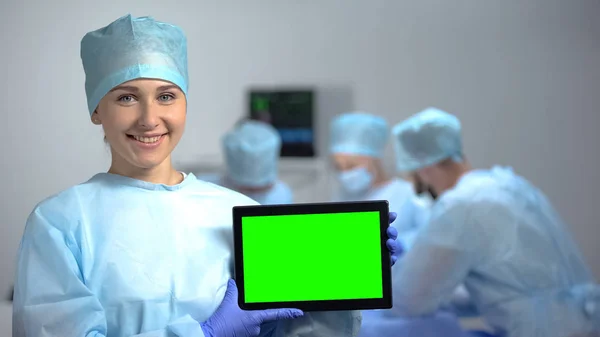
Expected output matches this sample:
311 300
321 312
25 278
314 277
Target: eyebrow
136 89
167 87
125 87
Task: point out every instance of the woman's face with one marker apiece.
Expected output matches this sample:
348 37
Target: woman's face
143 121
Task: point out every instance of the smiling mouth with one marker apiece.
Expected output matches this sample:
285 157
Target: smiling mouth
146 140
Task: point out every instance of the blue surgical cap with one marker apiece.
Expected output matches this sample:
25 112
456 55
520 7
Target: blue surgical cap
252 154
427 138
358 133
132 48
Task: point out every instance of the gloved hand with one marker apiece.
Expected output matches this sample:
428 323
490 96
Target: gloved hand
392 244
231 321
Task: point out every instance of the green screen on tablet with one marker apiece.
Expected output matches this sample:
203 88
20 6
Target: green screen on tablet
327 256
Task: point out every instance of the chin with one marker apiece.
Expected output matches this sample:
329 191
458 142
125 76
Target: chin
148 163
128 159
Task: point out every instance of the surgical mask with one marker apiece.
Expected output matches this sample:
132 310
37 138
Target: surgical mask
356 181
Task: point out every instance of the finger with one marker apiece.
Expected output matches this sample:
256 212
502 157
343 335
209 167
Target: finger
394 259
392 233
392 217
392 246
277 314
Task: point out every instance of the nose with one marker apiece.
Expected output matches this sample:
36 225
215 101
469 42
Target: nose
149 115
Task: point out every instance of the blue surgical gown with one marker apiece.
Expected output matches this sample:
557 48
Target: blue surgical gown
116 256
499 235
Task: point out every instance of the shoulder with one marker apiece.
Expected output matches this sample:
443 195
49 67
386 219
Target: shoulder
211 178
282 186
58 211
402 187
70 207
481 200
396 191
66 199
71 198
219 193
477 188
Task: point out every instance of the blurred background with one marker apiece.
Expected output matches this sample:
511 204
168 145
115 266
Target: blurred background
523 76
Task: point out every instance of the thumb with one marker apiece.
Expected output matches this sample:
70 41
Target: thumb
231 289
277 314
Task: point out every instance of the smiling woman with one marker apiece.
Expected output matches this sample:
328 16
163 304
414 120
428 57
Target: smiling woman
143 121
142 250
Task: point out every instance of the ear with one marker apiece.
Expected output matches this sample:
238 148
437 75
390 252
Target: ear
96 118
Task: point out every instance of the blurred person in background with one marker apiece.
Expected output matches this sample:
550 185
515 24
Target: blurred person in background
496 233
251 152
357 145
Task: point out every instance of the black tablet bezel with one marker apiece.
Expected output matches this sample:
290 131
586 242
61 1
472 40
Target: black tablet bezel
380 206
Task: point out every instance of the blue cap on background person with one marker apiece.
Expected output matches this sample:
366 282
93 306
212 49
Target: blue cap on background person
252 154
427 138
359 133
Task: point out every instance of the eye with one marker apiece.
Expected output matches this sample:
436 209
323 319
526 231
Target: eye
166 97
126 99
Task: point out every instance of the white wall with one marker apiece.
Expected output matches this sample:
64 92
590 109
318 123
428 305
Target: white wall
524 76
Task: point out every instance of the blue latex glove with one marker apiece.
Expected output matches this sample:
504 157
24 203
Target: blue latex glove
392 244
231 321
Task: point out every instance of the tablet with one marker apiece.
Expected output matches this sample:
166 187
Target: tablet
313 257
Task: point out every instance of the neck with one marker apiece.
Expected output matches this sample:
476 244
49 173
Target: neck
454 172
164 173
380 176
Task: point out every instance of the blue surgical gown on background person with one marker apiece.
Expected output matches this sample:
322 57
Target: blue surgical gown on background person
439 324
500 236
116 256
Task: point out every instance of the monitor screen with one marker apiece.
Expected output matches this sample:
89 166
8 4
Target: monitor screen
291 112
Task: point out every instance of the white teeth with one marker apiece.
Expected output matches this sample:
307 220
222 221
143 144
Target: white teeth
147 139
